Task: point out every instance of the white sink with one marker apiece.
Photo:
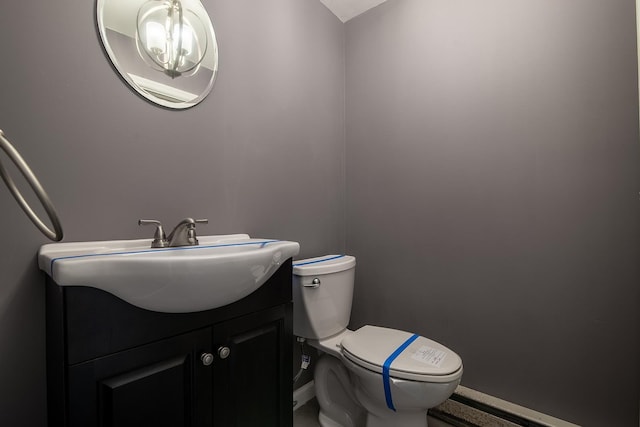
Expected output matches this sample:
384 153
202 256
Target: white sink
221 270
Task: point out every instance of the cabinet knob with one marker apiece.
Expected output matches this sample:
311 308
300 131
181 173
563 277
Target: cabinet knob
206 358
224 352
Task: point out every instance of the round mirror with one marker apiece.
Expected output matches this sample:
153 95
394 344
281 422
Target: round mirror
164 49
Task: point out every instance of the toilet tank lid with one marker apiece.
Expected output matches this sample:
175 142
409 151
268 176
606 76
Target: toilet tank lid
323 265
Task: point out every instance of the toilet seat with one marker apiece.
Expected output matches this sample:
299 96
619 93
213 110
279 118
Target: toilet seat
421 360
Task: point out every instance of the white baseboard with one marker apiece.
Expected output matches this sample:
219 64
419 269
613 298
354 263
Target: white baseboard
303 394
487 402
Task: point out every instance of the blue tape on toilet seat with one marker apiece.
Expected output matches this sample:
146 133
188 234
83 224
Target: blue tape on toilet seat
387 366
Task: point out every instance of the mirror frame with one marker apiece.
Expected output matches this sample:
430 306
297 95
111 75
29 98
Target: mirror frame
145 86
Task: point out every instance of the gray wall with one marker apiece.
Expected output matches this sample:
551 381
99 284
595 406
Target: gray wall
492 193
264 154
492 175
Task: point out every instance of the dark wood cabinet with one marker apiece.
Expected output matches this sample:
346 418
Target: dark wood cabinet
247 382
110 364
157 384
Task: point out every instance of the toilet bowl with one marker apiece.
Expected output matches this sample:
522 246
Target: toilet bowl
374 376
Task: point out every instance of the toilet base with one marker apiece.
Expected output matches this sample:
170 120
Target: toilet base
325 421
341 407
412 419
338 405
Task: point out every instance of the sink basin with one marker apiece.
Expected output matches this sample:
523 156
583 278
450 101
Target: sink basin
221 270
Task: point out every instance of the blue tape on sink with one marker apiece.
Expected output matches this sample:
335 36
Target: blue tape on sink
387 366
261 243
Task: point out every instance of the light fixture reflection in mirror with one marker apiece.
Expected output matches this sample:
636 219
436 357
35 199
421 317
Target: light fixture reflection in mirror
164 49
170 38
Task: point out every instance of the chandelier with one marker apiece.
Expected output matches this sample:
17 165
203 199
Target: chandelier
170 38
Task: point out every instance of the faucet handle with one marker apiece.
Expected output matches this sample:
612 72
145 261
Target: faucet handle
159 238
191 232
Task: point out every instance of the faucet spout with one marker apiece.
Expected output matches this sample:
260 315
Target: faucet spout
184 234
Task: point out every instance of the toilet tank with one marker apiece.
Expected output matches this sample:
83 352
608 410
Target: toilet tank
322 295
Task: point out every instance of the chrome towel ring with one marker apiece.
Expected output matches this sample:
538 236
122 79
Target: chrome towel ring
56 234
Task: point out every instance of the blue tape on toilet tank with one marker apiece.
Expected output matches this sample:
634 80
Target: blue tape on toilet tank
318 260
387 366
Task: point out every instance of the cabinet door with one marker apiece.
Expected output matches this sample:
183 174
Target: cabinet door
160 384
253 384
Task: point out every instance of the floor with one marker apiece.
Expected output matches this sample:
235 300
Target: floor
307 416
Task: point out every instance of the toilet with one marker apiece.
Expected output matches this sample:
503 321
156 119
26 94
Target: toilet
374 376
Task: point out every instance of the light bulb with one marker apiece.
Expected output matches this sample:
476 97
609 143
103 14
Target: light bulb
187 39
156 37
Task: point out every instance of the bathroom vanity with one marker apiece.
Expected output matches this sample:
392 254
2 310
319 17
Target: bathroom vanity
111 363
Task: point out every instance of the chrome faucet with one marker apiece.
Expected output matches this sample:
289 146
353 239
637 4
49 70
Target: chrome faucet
183 234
